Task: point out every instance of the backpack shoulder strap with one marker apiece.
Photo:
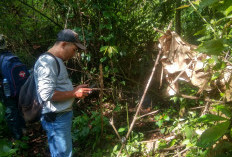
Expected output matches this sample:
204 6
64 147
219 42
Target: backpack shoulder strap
3 55
58 65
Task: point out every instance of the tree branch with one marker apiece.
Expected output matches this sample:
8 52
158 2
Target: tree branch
40 13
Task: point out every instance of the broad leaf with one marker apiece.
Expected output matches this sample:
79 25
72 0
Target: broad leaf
225 110
183 6
104 48
211 135
206 3
121 130
189 132
212 47
215 76
228 10
209 118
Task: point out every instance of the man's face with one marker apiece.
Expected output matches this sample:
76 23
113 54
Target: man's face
70 50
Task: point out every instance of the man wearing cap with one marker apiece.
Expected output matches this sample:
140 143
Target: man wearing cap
56 91
15 121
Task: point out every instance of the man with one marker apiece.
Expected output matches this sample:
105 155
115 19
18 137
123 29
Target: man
14 119
55 89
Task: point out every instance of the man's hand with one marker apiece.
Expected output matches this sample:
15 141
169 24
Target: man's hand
82 92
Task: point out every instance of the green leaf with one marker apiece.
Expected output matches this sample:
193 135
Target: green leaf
166 117
123 83
159 123
186 142
104 48
121 130
206 3
211 135
215 76
212 47
200 32
172 143
210 118
222 95
183 6
102 59
189 132
224 109
228 10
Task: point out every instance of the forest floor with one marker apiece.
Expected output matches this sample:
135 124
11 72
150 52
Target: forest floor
36 142
36 139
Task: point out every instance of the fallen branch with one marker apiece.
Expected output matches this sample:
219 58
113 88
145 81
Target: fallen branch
154 140
148 114
122 140
198 98
141 101
199 107
180 74
172 148
156 29
115 130
179 154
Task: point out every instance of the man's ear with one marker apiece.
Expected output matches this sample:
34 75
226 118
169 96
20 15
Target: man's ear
63 44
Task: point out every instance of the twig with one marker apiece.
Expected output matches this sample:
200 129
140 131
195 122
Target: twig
148 114
122 140
115 130
181 73
201 16
172 148
157 30
161 77
181 152
170 25
66 21
144 94
166 139
40 13
194 108
205 109
101 95
197 98
142 99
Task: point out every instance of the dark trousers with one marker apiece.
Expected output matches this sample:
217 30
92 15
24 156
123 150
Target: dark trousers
14 117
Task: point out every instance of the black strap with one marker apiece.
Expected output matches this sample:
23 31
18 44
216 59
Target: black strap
3 56
58 65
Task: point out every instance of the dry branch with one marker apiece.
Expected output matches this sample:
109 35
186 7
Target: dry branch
150 113
141 101
205 99
172 148
179 154
119 137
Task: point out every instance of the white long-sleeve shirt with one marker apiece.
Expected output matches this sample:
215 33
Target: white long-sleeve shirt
47 81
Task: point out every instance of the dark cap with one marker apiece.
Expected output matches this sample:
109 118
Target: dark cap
69 35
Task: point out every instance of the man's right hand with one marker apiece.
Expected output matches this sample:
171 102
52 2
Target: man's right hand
82 92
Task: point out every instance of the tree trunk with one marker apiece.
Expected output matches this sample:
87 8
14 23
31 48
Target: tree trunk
178 18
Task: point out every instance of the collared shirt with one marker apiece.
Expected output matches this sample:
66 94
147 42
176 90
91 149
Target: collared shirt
47 81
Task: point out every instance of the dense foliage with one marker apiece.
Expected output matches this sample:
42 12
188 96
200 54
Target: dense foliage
121 37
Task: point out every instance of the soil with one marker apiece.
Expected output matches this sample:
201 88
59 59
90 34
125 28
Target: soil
36 142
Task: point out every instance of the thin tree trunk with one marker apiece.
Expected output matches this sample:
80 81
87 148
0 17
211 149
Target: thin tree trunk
178 18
